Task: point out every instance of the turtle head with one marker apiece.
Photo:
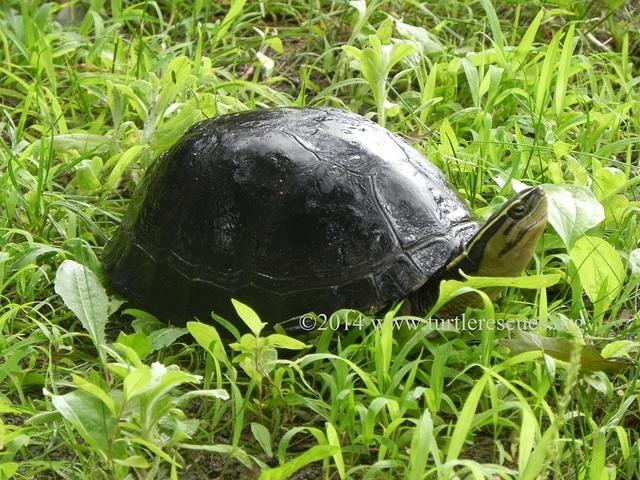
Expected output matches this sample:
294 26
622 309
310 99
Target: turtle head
505 244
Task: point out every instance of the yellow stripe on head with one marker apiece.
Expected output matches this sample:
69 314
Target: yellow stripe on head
504 246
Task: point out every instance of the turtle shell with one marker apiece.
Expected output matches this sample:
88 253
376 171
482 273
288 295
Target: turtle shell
288 210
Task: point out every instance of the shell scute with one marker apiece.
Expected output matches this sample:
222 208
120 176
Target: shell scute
288 210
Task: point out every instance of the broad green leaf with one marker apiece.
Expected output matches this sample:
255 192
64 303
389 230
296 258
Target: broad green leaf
555 172
258 363
114 305
217 393
137 382
144 321
580 174
619 348
353 51
83 294
87 178
208 338
248 316
608 180
121 163
420 37
275 43
8 470
171 375
76 141
90 416
448 140
177 76
561 148
130 354
96 391
573 210
172 127
399 51
138 341
120 370
384 31
561 349
615 209
178 71
262 435
373 71
164 379
599 267
392 109
283 341
165 336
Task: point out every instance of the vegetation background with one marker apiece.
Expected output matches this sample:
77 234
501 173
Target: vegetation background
542 92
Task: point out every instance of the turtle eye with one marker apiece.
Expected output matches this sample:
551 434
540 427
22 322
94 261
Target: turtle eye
517 211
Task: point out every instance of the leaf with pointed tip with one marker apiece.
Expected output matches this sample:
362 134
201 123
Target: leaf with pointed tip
561 348
600 269
248 316
83 294
573 210
89 415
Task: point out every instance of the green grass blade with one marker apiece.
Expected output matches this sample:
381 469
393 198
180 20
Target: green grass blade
562 80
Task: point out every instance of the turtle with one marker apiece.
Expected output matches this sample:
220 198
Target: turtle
295 210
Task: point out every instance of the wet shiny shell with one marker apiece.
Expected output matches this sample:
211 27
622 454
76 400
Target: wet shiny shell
287 210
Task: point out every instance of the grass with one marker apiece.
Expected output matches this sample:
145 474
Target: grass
492 92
